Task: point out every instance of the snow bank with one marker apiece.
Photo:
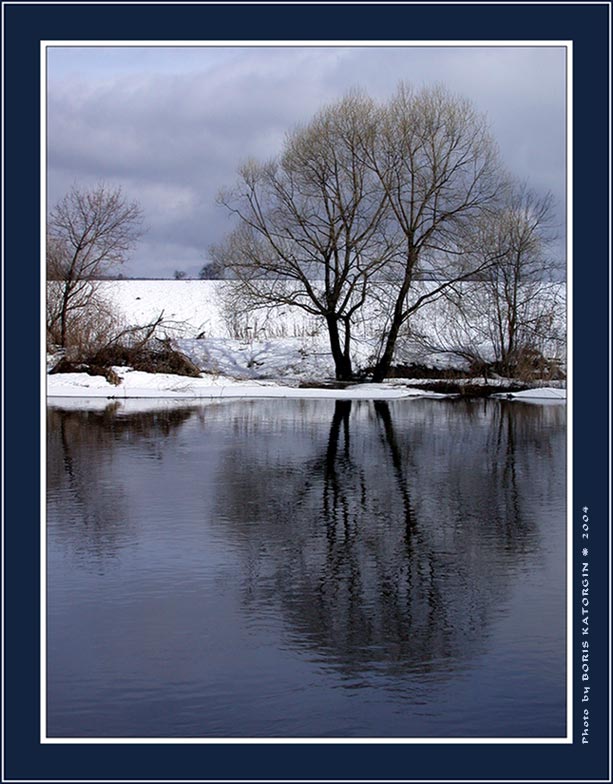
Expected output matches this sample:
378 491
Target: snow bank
544 393
161 386
146 385
290 359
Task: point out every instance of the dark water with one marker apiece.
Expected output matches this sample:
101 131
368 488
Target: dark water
307 569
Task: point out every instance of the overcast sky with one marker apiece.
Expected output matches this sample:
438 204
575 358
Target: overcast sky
171 125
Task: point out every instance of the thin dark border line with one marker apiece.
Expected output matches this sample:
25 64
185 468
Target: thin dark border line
44 554
2 395
247 45
311 2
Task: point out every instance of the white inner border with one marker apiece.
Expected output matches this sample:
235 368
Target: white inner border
567 45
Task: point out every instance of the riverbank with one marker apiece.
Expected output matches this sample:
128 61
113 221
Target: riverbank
136 384
285 355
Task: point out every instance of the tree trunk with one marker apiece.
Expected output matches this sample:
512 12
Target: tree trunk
385 360
342 358
64 315
383 365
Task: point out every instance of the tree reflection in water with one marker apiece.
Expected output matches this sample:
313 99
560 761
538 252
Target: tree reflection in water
87 498
391 549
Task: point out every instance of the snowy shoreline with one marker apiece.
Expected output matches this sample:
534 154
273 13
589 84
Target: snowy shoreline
139 385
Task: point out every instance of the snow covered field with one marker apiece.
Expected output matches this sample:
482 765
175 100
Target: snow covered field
263 356
190 307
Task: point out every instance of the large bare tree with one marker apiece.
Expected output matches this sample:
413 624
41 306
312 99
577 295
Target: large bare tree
89 231
314 226
376 211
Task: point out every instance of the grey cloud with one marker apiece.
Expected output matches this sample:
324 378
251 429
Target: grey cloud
171 127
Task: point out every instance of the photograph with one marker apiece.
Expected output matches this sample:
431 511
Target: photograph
306 392
306 355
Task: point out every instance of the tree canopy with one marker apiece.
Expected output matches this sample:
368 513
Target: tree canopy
362 202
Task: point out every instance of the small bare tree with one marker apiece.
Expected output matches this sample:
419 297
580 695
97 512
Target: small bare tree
89 232
511 317
524 303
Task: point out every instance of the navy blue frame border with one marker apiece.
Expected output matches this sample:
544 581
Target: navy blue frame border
24 26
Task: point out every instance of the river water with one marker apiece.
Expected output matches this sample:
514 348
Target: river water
307 568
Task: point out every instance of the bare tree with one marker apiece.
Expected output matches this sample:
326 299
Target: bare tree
314 227
511 318
524 301
438 166
89 232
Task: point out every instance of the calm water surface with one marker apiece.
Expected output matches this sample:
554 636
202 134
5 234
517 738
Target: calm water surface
307 569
